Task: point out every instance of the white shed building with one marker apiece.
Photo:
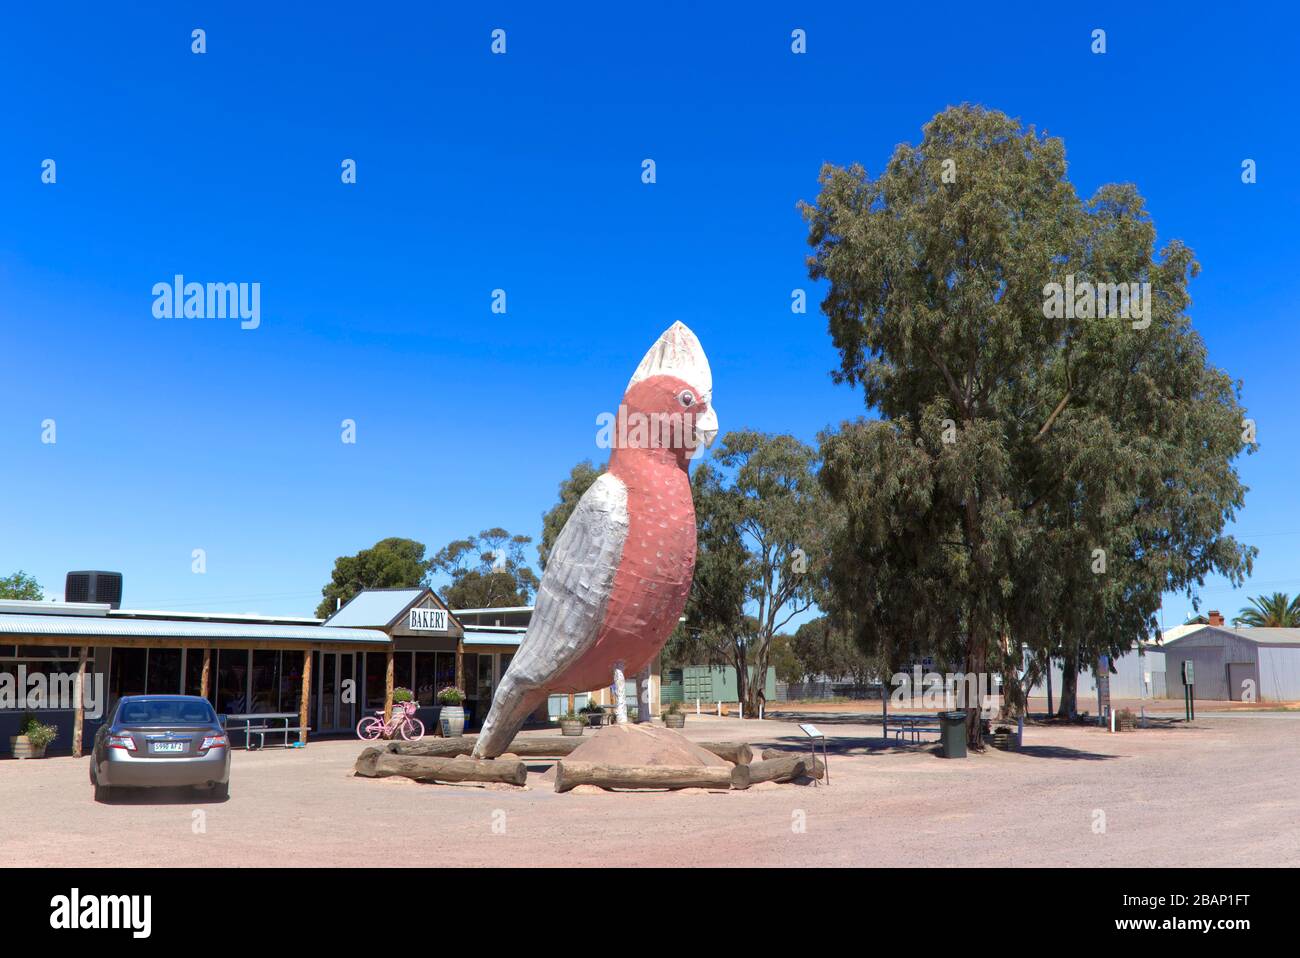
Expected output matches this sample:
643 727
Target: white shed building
1137 674
1236 664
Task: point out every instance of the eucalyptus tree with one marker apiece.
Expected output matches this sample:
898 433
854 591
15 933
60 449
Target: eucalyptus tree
487 571
20 586
572 488
392 563
1053 451
763 520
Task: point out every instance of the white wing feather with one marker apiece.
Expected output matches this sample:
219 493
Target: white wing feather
571 601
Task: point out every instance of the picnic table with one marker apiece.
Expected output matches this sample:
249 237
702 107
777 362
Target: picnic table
260 723
913 725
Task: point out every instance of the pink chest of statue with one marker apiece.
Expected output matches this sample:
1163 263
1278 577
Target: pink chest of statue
653 578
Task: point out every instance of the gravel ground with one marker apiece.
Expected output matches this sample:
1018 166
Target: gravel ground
1216 793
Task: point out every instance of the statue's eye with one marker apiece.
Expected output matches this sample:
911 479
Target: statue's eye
686 398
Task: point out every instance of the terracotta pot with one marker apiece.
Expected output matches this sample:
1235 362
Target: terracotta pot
675 721
451 719
570 727
22 747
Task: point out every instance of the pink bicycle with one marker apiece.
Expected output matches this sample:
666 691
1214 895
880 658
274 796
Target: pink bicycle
404 723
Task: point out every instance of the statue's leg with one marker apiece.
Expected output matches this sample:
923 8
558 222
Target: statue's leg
643 706
620 695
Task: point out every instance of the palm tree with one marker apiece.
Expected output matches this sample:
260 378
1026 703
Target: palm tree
1276 611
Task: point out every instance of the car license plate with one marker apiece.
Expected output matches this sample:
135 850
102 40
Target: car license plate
166 746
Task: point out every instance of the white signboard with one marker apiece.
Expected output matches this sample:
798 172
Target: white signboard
427 620
811 731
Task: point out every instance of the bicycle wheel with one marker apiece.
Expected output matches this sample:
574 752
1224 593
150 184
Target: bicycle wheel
370 728
412 729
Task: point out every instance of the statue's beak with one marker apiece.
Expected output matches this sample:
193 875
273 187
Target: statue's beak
706 430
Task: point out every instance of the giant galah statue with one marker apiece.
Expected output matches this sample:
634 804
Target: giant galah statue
618 576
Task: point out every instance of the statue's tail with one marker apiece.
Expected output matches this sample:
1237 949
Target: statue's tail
511 706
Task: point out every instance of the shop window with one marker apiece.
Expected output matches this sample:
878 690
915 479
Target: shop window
471 675
485 678
426 678
194 671
266 681
127 672
231 688
40 651
291 681
402 678
446 670
375 669
163 675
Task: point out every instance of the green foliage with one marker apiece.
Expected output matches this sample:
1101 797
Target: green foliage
580 479
783 659
591 708
39 734
1276 611
1012 447
388 564
487 571
763 524
819 648
401 695
21 586
451 696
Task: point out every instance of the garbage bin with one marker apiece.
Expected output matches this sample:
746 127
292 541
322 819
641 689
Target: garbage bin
952 734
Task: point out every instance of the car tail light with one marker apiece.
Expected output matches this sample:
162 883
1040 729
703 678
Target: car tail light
213 741
122 741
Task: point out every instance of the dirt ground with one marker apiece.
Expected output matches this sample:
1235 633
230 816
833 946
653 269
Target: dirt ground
1220 792
1087 703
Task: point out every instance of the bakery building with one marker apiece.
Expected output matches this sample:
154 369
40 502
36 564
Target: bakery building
322 677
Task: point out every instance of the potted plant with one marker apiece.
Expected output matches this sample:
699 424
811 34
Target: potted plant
1003 737
401 695
570 724
674 717
594 712
451 717
33 738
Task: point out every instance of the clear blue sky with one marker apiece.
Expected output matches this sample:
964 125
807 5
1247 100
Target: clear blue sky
522 172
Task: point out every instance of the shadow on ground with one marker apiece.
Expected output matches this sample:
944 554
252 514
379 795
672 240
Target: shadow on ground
163 796
844 745
1061 752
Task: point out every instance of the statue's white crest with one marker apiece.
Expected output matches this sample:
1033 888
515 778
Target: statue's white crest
678 353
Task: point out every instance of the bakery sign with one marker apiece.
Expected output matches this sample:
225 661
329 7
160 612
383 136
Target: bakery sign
427 620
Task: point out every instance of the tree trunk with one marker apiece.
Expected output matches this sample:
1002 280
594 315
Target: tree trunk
568 774
1069 687
737 753
376 763
742 679
976 660
757 687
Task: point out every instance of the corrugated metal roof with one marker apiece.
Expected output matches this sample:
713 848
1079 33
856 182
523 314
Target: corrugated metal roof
374 608
492 608
70 625
1263 636
493 637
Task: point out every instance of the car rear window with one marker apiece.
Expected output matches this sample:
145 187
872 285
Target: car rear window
166 712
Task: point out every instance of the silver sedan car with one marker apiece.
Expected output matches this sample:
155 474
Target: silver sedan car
158 741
